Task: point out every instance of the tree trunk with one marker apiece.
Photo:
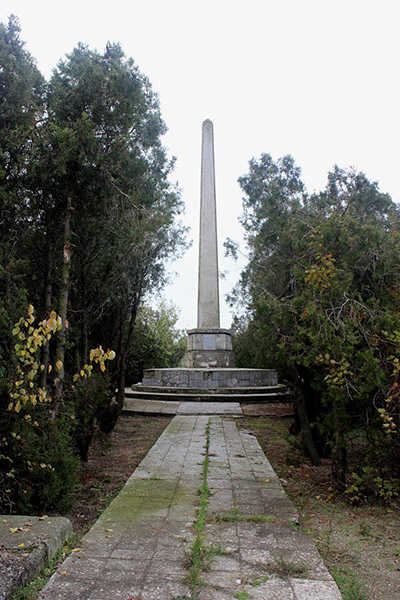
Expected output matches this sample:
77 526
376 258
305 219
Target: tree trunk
47 308
62 311
339 454
124 354
303 418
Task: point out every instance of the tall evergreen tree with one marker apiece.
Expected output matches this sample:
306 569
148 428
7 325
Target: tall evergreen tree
88 219
323 289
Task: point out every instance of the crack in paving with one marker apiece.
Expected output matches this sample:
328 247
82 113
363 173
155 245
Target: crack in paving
138 547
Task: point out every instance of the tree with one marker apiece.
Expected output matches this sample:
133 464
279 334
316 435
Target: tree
323 287
88 219
22 91
156 341
124 209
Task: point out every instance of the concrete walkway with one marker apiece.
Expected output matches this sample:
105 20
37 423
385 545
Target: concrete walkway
138 549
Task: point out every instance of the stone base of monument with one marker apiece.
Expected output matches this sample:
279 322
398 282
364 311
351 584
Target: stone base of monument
208 379
208 348
210 385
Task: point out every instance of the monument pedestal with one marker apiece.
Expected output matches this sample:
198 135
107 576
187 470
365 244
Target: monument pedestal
191 380
208 348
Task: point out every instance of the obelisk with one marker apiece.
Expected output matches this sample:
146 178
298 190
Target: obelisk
208 346
208 293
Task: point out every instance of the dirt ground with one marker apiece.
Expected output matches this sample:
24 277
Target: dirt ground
360 545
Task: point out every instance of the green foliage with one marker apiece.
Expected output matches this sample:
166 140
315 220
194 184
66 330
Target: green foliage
156 341
91 399
44 464
37 454
368 483
88 219
241 595
322 289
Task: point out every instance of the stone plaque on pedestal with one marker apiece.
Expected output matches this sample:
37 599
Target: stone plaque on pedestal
208 348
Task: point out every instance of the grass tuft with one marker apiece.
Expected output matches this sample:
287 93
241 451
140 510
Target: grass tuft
237 516
350 587
289 568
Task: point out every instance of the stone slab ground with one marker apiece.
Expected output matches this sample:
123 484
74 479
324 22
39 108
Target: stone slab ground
171 408
138 548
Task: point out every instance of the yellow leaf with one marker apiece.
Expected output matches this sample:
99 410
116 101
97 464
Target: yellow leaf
30 309
17 407
21 545
10 406
102 367
77 550
59 365
13 529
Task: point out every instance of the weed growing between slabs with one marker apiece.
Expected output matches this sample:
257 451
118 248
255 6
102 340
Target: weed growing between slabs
237 516
200 557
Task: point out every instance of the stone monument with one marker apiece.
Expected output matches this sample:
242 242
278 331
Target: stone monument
208 345
207 372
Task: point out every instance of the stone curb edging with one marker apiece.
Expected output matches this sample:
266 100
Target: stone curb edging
41 540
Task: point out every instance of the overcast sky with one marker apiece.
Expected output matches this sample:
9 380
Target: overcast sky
318 79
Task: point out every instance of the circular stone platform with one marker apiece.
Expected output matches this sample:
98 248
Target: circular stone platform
182 377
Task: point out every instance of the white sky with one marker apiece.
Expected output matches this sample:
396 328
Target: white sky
317 79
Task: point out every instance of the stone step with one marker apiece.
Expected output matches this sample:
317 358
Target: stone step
206 396
271 389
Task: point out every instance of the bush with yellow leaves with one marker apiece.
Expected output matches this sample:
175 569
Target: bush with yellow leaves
38 455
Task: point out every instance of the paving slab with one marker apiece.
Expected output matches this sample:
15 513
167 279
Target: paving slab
26 544
152 407
138 547
209 408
